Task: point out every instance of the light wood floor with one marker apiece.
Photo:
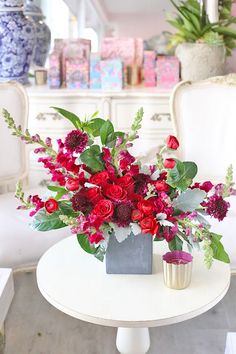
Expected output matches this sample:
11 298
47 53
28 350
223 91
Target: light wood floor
34 327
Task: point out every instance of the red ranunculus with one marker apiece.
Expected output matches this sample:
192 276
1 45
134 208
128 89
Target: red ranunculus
115 192
100 178
72 184
94 195
162 186
169 163
51 205
149 225
127 183
104 209
146 207
137 215
172 142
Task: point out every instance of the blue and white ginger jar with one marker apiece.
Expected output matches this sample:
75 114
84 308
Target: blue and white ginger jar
17 42
43 33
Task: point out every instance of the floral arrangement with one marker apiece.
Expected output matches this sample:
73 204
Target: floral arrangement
99 188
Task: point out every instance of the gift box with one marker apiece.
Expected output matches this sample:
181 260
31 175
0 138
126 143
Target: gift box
54 71
139 52
149 60
167 71
77 73
95 72
75 63
119 48
149 77
112 74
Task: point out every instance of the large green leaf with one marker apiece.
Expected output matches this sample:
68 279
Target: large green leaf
95 125
189 200
85 244
106 130
73 118
176 244
59 190
218 249
44 221
92 158
181 175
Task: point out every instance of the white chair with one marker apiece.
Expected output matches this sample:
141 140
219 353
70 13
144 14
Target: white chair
204 117
19 245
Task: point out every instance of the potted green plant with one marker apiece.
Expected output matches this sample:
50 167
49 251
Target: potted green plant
202 46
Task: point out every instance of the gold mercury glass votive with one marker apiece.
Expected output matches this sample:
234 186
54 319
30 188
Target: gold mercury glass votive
40 77
177 269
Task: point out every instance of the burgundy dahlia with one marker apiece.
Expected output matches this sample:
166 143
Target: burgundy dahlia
216 207
122 214
80 202
140 183
76 141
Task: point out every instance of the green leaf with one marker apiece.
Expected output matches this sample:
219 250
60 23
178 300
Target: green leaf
189 200
106 129
219 252
85 244
60 191
181 175
92 158
73 118
100 252
176 244
44 221
95 126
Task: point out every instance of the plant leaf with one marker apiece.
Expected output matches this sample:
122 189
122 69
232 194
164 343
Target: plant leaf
85 244
189 200
73 118
92 158
219 252
176 244
106 129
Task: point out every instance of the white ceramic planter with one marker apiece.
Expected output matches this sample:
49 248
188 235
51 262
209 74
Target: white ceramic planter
200 61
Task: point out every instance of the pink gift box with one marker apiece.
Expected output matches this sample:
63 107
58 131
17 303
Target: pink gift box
77 73
149 78
139 51
119 48
149 62
167 70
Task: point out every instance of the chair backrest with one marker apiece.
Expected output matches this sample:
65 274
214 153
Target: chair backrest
204 117
13 165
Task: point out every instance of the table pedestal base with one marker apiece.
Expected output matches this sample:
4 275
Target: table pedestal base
133 340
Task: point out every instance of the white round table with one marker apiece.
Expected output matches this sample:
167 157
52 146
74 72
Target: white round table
76 283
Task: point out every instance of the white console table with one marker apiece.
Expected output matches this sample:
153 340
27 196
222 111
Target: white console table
119 106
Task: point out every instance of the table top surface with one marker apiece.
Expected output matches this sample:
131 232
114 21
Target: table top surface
77 284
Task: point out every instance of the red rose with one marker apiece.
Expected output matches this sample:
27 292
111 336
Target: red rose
100 178
127 183
149 225
96 237
172 142
104 209
162 186
94 195
115 192
72 184
145 206
169 163
137 215
51 205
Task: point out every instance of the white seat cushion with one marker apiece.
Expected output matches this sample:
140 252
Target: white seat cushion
20 245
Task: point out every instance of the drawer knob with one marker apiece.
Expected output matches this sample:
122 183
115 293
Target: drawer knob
43 116
157 117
